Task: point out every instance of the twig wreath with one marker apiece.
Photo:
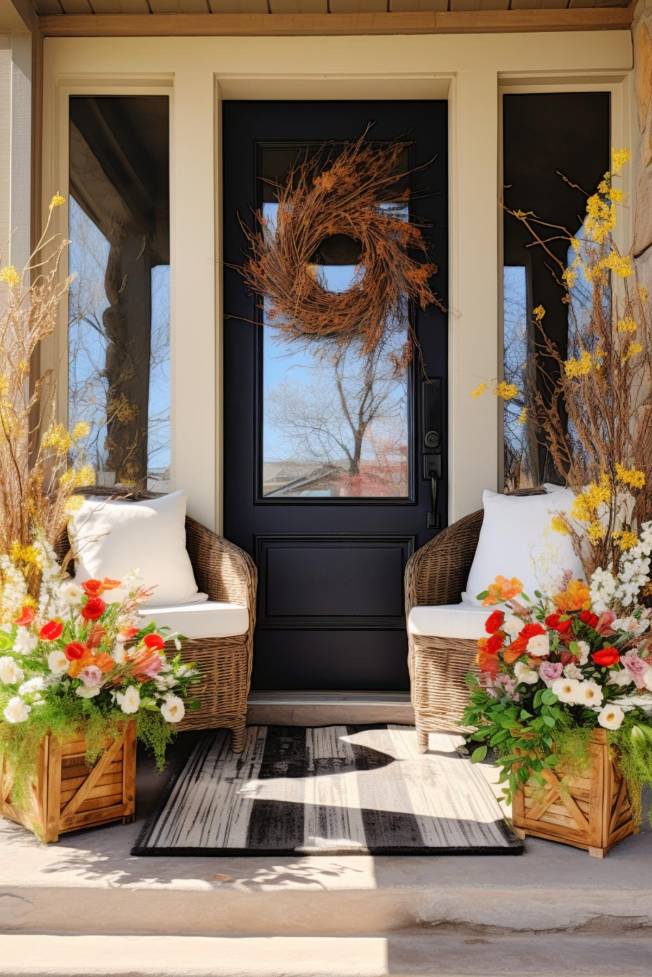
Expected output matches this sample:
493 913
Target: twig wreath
355 196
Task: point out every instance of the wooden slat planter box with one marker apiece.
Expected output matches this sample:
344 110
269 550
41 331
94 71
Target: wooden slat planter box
67 794
590 810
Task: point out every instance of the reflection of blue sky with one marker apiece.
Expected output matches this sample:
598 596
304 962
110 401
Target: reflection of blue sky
515 345
87 344
291 364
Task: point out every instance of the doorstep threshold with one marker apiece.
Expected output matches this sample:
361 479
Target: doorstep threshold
297 708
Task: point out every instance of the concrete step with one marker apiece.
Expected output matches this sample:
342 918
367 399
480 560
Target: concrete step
408 955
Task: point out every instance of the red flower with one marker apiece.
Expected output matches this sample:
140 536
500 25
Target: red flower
589 618
74 651
154 642
606 656
51 631
558 623
93 609
494 643
518 646
494 621
93 588
26 616
126 634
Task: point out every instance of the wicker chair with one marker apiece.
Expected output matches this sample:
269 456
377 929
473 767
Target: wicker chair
225 573
437 574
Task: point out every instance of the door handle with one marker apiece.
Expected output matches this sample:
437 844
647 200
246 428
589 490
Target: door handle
432 447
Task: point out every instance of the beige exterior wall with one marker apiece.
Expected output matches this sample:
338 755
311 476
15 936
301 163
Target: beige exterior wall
642 232
469 70
15 147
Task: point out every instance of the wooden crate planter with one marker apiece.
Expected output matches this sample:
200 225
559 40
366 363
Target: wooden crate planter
67 794
590 811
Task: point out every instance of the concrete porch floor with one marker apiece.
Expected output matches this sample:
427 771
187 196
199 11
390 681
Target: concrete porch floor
462 915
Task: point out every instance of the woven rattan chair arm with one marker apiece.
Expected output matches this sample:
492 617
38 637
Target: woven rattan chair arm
222 569
438 571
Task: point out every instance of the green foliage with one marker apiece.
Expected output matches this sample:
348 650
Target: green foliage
526 737
65 717
633 745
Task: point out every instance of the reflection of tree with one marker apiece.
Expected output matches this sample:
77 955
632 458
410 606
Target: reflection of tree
351 406
520 445
110 365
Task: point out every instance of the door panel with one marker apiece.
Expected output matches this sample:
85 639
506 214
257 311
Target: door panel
330 514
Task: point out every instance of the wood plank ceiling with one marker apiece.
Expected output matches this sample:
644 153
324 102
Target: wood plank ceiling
58 7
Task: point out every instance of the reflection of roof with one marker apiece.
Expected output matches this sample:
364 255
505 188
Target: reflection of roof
283 476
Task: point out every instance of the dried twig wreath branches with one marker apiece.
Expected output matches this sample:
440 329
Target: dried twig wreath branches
355 195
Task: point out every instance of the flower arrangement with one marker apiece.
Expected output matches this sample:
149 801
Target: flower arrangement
77 661
554 668
41 462
591 405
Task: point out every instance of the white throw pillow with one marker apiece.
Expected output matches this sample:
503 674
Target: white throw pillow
110 538
517 540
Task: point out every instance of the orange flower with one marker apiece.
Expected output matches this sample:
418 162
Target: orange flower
502 589
110 584
487 663
576 597
104 662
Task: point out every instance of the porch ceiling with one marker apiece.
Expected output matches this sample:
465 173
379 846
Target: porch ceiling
271 7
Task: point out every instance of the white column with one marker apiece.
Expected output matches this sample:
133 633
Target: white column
193 291
15 147
474 293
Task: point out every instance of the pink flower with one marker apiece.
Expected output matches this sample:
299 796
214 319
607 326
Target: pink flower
550 671
153 666
605 621
636 666
91 676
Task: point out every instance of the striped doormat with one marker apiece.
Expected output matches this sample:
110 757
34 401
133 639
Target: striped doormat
325 791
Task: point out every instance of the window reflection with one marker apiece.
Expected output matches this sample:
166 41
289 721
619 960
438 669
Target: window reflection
119 332
335 419
550 178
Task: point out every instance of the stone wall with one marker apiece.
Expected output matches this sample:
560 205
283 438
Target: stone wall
642 246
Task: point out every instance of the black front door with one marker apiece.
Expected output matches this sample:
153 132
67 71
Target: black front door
334 466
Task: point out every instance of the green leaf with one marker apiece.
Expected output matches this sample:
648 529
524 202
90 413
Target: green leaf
548 697
6 641
549 721
479 754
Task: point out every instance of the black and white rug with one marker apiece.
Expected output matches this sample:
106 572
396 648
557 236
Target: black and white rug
325 791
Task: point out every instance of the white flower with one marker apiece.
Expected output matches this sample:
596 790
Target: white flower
631 624
173 709
16 711
539 645
637 701
119 653
25 642
573 671
88 692
512 625
566 689
57 662
611 717
129 701
70 593
10 673
164 682
589 694
620 677
583 651
32 686
524 674
647 678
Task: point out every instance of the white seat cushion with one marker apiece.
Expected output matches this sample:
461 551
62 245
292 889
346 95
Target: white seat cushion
517 540
110 538
212 619
449 621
